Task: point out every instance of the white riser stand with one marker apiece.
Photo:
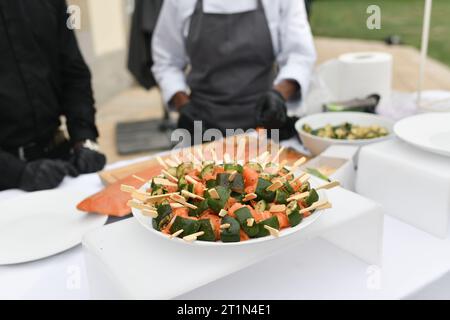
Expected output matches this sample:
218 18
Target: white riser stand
411 185
126 261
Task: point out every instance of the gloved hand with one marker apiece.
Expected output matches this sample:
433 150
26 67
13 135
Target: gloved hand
271 111
87 161
288 130
45 174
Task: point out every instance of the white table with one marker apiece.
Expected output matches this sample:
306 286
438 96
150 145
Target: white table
415 264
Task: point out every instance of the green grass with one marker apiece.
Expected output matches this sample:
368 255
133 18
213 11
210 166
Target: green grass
347 19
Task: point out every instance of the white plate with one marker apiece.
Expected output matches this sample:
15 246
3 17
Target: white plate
147 223
40 224
317 144
428 131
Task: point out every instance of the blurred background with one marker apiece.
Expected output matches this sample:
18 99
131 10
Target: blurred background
339 26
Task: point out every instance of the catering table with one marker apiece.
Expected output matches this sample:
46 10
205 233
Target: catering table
415 265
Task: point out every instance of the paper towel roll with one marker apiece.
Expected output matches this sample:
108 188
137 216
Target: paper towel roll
357 75
364 73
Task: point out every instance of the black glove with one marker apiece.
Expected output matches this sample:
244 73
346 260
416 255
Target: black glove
45 174
288 130
87 161
271 111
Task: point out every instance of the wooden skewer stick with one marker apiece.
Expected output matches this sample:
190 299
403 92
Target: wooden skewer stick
298 196
171 163
274 232
169 176
139 178
159 197
250 222
304 178
139 195
325 206
296 164
191 195
176 234
183 202
278 208
232 175
127 188
225 226
199 151
223 213
275 186
190 179
176 159
315 205
176 205
150 213
330 185
164 182
162 163
250 196
178 198
277 156
213 193
282 164
138 205
193 236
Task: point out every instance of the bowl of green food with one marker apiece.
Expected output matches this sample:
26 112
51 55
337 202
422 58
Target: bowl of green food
319 131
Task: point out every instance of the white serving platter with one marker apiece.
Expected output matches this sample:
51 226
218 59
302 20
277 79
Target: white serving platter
427 131
146 222
40 224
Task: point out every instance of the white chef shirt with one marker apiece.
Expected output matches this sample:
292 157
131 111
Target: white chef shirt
291 38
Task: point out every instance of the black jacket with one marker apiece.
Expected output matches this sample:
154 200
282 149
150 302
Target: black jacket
42 76
140 60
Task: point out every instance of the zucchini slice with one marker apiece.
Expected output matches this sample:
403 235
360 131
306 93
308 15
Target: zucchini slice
305 187
255 166
261 206
231 234
293 213
230 167
189 226
210 183
172 171
237 185
184 169
287 186
218 204
164 216
271 222
261 190
207 170
313 197
222 179
207 227
202 206
242 215
281 197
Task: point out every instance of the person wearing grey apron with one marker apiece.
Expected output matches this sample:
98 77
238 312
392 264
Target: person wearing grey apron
233 66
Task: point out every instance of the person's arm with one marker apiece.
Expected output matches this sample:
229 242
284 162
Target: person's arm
77 98
12 169
169 56
297 53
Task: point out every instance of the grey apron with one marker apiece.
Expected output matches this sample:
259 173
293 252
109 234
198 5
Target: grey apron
232 66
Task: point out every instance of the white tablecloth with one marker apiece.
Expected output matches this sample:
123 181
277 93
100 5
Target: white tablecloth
412 260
